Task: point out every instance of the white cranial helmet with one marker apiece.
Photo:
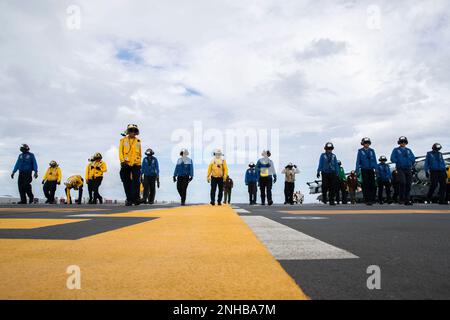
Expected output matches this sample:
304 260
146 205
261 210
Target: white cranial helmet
184 152
266 153
217 152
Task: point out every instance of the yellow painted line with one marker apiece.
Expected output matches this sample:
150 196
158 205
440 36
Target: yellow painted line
50 209
196 252
332 212
33 223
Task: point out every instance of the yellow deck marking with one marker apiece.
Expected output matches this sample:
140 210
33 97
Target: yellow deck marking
197 252
33 223
400 211
50 209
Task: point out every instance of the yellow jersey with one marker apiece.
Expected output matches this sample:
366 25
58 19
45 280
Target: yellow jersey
53 174
97 169
218 169
74 182
130 151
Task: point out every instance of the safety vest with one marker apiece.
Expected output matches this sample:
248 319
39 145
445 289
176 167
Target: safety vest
97 169
130 151
218 168
52 174
74 182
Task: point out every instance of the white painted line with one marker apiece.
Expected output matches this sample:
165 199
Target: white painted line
241 211
288 244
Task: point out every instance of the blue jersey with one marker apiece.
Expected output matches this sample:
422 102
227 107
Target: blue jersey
328 163
150 166
434 161
26 162
251 176
265 168
384 172
403 158
184 168
366 159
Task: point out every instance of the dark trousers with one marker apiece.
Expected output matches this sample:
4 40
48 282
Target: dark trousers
405 181
49 190
341 190
352 193
368 185
448 192
90 192
182 185
216 183
227 195
396 187
252 192
289 188
265 187
386 186
80 195
131 180
96 182
328 186
24 182
438 177
149 188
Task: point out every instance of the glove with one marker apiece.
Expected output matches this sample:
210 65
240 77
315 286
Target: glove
275 178
427 174
43 181
58 183
12 175
35 175
174 179
157 183
318 175
295 166
190 179
208 180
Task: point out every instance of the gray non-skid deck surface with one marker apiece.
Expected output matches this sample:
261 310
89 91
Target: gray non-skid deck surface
412 251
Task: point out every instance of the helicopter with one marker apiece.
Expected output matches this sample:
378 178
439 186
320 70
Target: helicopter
419 188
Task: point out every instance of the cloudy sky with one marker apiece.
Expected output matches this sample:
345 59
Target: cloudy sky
73 74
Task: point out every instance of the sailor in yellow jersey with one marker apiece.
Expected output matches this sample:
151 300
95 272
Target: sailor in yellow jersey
76 183
217 174
130 155
98 168
52 177
88 177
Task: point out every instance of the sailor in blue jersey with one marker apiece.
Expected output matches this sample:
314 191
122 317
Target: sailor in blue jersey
183 174
267 176
25 164
366 164
251 181
384 176
150 176
435 170
329 168
404 160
